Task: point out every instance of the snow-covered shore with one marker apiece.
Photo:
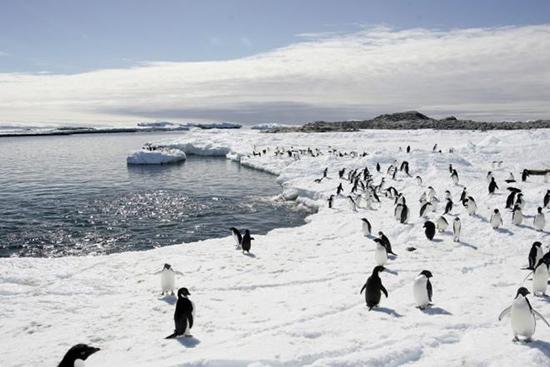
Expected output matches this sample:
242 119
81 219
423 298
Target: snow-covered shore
158 156
296 302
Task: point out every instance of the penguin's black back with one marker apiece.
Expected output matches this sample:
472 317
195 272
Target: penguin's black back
247 243
373 291
429 230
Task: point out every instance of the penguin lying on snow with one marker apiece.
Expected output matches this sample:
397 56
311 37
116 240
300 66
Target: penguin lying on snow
422 290
79 352
522 315
183 315
373 288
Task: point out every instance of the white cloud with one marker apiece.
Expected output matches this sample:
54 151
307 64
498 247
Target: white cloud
498 73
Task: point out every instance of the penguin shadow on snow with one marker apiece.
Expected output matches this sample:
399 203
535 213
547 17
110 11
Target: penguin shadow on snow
170 299
249 254
436 240
541 345
387 311
436 311
505 231
189 341
466 244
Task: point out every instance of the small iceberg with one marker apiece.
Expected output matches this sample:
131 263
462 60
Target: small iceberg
156 155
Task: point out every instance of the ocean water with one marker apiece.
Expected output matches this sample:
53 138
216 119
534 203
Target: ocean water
75 195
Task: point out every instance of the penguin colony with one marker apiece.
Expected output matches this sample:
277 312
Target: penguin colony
366 194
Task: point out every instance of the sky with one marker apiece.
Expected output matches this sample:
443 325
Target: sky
121 62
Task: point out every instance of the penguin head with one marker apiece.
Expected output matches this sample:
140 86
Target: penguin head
378 269
79 351
539 210
183 292
522 291
167 266
246 231
426 273
364 220
496 211
537 244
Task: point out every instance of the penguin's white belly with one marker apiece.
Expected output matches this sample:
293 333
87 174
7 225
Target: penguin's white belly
517 218
455 180
539 222
540 279
539 255
495 221
523 320
366 230
167 281
188 328
398 213
472 208
441 225
420 292
380 255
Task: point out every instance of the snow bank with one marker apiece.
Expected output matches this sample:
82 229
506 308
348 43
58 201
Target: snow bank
160 156
296 301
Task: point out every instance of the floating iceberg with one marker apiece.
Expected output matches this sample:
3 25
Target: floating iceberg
156 156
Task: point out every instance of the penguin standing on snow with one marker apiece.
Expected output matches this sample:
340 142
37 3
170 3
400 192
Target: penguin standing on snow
184 314
540 277
330 201
373 288
429 230
442 224
76 354
237 237
168 279
454 177
457 226
496 219
403 213
535 254
492 186
546 199
522 315
489 176
448 206
539 220
520 201
471 206
339 189
246 244
425 209
386 242
511 197
366 227
517 215
422 290
419 180
380 253
463 195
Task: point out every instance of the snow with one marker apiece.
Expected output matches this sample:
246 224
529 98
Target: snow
268 126
159 156
296 301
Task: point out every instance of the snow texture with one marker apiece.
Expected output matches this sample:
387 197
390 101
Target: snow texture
295 300
159 156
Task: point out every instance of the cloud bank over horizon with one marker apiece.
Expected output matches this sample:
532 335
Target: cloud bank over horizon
482 73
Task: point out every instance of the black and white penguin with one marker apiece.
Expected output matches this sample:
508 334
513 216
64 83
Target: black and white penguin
522 316
454 177
471 206
183 315
457 227
442 224
380 253
535 254
448 195
237 237
373 288
520 201
492 186
246 244
168 279
490 176
448 206
330 201
418 180
403 213
378 169
517 215
422 290
339 189
463 195
76 354
386 242
450 168
539 221
496 219
429 230
431 193
366 227
511 197
425 209
540 277
546 199
352 203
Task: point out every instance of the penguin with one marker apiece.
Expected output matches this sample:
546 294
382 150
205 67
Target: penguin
330 201
408 148
339 189
397 211
546 199
422 290
423 199
434 149
429 230
247 241
511 197
448 206
386 242
425 209
404 217
237 237
183 315
490 176
524 175
431 193
510 178
539 221
535 254
496 219
454 177
373 288
442 224
77 353
517 215
522 316
450 168
463 195
380 253
471 206
378 169
366 227
540 278
352 203
492 186
168 279
448 195
457 226
520 201
418 180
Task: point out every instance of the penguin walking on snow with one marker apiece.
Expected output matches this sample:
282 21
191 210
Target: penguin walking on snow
539 221
454 176
517 215
366 227
237 237
540 277
373 288
535 254
380 253
386 243
522 316
442 224
76 355
429 230
511 197
183 315
168 279
448 207
510 178
246 243
492 186
422 290
496 219
457 226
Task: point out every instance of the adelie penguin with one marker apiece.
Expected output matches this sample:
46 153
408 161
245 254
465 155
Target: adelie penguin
517 215
471 205
523 316
448 206
511 197
546 199
237 237
422 290
535 254
374 288
330 201
380 253
492 186
429 230
183 315
246 243
168 279
442 224
540 277
418 180
366 227
457 227
454 177
77 355
425 209
496 219
539 221
386 242
490 176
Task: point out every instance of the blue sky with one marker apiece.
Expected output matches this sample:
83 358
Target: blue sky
119 62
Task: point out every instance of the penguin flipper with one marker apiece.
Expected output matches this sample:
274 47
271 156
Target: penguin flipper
430 290
541 317
362 289
190 320
384 290
504 312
